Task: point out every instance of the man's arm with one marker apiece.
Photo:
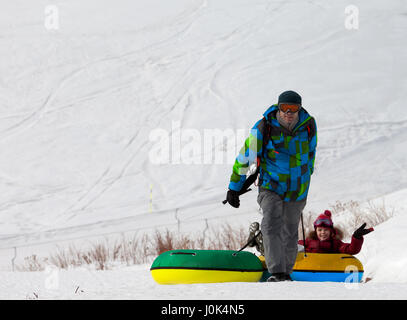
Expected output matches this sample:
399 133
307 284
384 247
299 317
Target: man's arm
313 146
247 156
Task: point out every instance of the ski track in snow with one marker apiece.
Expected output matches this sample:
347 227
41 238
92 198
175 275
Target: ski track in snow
106 181
336 142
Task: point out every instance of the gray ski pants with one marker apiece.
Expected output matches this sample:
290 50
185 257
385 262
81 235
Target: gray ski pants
279 228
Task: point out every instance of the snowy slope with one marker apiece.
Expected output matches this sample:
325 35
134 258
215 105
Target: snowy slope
78 105
136 283
382 256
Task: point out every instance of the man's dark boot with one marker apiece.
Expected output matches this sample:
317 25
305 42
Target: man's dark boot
277 277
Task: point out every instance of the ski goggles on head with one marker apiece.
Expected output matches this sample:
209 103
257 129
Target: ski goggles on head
323 222
289 107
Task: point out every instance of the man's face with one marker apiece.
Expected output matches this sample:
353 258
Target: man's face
289 112
289 117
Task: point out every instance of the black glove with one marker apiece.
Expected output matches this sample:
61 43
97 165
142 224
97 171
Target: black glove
359 233
233 198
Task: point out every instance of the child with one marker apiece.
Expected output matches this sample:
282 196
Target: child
326 238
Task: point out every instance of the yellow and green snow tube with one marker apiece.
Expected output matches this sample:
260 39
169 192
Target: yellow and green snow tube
206 266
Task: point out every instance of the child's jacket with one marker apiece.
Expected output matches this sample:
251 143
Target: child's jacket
332 246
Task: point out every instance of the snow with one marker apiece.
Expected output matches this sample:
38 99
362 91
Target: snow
136 283
78 105
383 255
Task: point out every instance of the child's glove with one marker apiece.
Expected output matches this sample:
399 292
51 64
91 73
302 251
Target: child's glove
359 233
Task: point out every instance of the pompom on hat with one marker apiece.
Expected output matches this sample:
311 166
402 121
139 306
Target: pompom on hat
324 220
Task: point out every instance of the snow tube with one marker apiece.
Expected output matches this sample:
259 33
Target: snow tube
206 266
320 267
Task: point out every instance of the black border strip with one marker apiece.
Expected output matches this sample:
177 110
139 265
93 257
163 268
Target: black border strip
253 309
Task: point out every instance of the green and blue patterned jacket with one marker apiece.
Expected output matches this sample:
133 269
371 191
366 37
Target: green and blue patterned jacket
287 162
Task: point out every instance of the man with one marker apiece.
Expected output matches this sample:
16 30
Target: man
283 143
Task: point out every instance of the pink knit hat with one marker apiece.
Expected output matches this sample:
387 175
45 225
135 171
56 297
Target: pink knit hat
324 220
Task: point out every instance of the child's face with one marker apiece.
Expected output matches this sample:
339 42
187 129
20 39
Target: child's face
323 233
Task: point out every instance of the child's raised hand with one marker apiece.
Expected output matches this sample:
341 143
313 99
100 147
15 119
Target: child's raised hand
359 233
